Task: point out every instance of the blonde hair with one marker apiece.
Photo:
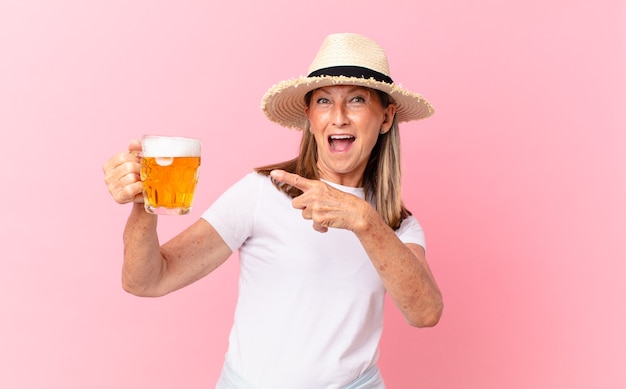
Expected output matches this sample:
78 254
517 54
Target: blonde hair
382 179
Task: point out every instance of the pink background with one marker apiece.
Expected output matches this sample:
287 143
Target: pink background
519 180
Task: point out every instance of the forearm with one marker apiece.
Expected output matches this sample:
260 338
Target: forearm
404 272
143 263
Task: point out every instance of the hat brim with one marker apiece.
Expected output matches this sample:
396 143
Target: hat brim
284 103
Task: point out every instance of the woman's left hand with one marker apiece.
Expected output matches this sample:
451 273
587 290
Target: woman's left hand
326 206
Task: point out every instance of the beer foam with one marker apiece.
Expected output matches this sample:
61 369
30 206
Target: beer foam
164 161
158 146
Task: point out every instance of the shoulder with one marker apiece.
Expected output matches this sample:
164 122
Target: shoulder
252 181
411 231
252 188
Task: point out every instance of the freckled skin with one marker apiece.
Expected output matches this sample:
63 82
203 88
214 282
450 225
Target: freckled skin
402 267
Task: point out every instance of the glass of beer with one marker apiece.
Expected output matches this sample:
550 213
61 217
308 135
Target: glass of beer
169 173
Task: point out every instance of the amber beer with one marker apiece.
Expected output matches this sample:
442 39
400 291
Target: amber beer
169 173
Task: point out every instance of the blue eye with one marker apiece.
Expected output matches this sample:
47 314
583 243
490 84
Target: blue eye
322 100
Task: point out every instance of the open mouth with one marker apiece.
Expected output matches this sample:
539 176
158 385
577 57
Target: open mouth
340 142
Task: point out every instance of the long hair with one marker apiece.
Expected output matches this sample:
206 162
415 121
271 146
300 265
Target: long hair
382 179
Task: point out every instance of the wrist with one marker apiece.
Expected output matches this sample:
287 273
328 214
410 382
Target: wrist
367 219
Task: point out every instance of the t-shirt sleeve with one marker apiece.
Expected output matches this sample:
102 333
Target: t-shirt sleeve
232 214
411 231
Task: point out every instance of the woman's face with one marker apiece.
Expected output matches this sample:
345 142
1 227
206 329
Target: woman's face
346 121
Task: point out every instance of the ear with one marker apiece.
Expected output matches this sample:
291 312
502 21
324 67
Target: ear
390 113
306 113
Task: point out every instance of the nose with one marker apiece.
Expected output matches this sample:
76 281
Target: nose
339 115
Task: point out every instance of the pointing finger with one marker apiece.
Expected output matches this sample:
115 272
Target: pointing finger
291 179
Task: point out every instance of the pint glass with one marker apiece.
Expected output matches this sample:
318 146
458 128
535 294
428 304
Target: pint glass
169 173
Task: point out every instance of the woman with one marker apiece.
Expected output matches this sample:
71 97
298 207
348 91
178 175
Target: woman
320 240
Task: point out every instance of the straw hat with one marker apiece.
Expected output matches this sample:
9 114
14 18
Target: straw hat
343 59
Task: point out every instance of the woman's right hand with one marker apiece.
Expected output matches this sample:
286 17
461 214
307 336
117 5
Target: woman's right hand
122 175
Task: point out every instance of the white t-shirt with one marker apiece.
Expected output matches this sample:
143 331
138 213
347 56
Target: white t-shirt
310 307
